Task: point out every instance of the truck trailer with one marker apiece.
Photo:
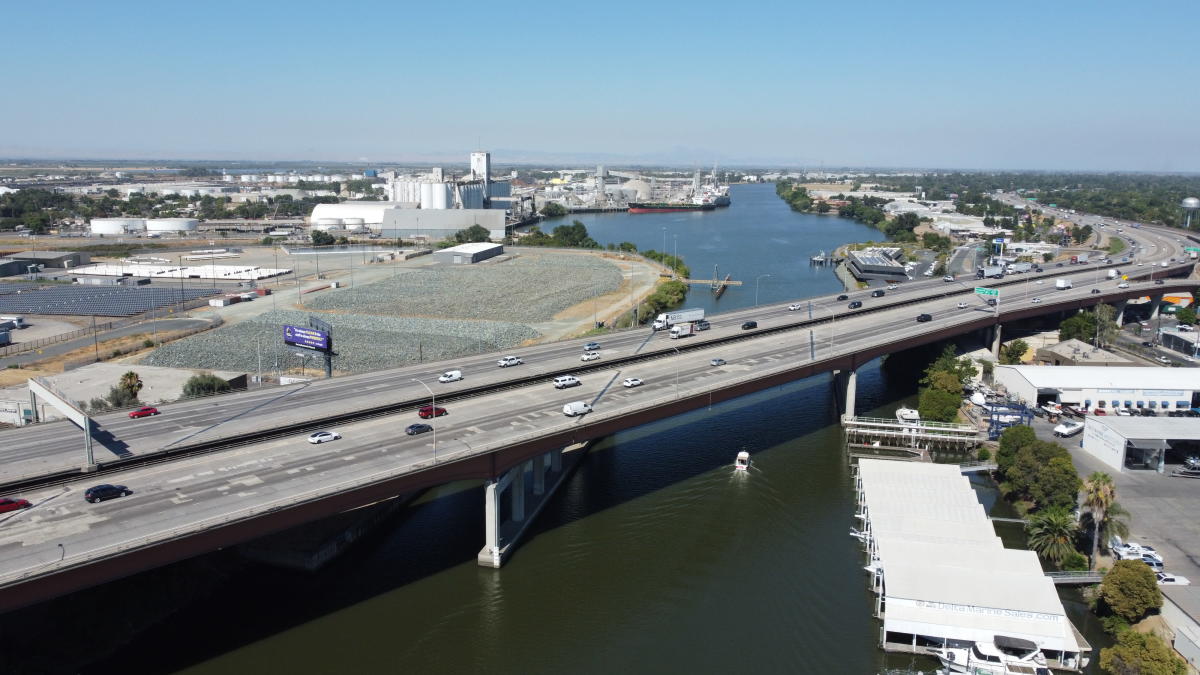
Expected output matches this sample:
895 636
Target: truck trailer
1019 268
668 319
990 272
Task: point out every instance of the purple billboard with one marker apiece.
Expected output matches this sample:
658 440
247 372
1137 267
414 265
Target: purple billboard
299 336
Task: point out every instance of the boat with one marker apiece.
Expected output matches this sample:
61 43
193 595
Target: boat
742 463
908 416
1002 656
667 207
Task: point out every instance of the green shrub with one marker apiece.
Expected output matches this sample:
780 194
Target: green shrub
984 454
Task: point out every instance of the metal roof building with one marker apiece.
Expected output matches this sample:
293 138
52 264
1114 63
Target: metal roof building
1139 442
468 253
942 576
1110 387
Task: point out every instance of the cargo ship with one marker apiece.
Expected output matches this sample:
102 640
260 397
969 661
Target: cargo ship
665 207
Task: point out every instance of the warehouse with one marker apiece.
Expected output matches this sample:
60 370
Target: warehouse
1183 342
1103 388
1141 442
466 254
876 263
435 225
52 259
1078 353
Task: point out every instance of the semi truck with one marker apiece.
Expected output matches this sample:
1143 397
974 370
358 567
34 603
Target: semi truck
1192 255
990 272
682 330
1061 284
1019 268
668 319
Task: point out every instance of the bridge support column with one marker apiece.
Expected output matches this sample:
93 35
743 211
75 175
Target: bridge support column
996 333
1119 315
851 391
526 500
1155 303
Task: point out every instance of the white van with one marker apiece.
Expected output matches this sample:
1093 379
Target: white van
564 381
450 376
576 408
1112 274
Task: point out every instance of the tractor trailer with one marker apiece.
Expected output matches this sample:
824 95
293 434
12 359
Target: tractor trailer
668 319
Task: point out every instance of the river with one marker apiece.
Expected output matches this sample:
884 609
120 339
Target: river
655 556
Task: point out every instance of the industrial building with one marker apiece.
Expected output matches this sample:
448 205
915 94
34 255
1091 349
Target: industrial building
942 577
876 263
1140 442
466 254
1078 353
1106 388
51 259
1183 342
11 268
423 225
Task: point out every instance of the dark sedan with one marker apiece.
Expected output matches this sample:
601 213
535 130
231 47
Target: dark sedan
100 493
414 429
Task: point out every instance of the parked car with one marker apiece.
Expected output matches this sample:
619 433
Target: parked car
631 382
506 361
1165 579
793 307
749 325
7 504
323 437
99 493
922 318
589 356
1099 412
591 346
716 362
428 411
855 304
145 411
450 376
414 429
1147 344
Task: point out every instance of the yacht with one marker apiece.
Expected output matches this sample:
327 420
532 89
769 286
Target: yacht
908 416
742 463
1003 656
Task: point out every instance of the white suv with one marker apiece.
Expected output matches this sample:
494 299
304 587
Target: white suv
509 361
564 381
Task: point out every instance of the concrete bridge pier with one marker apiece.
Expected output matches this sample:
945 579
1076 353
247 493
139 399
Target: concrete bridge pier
845 384
525 497
1119 315
996 333
1155 303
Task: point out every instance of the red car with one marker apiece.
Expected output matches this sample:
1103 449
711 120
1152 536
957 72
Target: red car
7 504
429 411
143 412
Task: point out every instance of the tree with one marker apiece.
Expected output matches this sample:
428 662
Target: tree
1056 482
1078 327
1099 493
1141 654
320 238
130 384
1129 590
553 210
204 384
1106 325
1052 534
1011 353
473 234
937 405
1012 440
1186 315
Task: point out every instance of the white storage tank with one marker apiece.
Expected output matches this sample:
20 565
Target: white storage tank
117 225
172 225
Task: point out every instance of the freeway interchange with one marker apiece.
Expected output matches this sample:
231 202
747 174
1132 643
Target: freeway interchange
259 471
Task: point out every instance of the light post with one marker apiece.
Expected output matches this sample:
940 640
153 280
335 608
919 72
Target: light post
756 281
433 414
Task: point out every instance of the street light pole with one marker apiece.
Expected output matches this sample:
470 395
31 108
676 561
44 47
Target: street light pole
756 281
433 411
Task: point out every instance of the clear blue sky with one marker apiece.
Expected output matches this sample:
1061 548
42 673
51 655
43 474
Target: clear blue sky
965 84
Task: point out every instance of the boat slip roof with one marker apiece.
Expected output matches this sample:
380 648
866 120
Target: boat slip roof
945 572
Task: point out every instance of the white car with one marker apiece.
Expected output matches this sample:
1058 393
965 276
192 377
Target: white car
1038 282
1036 300
450 376
892 287
1123 284
323 437
962 305
948 277
507 361
1163 359
589 356
632 382
576 408
793 307
1165 579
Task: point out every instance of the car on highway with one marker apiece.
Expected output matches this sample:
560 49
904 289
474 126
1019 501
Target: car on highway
716 362
144 411
793 307
991 302
892 287
962 305
855 304
589 356
506 361
1158 282
1123 284
749 325
1163 359
564 381
877 293
922 318
948 277
1058 264
414 429
450 376
843 296
7 504
99 493
591 346
1147 344
1036 300
323 437
631 382
425 412
575 408
1039 282
1165 579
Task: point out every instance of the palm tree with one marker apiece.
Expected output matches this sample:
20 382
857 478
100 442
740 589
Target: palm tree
1099 493
1052 534
131 383
1115 523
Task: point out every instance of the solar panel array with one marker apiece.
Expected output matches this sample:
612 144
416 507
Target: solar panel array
6 288
96 300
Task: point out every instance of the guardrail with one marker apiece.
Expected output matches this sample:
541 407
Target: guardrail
1086 577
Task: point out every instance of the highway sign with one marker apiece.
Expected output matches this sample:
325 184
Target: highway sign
299 336
994 292
1192 249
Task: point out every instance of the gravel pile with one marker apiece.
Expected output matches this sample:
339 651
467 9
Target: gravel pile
528 289
363 343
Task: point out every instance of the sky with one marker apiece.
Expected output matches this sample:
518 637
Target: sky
1047 85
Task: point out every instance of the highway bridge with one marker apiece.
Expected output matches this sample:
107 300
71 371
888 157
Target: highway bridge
212 473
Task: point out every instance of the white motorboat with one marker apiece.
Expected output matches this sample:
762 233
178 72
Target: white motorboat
1003 656
742 463
908 416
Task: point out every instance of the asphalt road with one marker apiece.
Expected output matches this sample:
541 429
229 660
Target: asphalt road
60 348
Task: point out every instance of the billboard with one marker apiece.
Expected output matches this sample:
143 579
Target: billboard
307 338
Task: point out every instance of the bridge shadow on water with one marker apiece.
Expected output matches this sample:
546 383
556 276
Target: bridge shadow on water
444 529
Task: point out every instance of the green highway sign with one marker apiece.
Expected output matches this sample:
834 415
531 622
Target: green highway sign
987 291
1192 249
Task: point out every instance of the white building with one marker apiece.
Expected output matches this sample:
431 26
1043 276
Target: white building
1098 387
1139 442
